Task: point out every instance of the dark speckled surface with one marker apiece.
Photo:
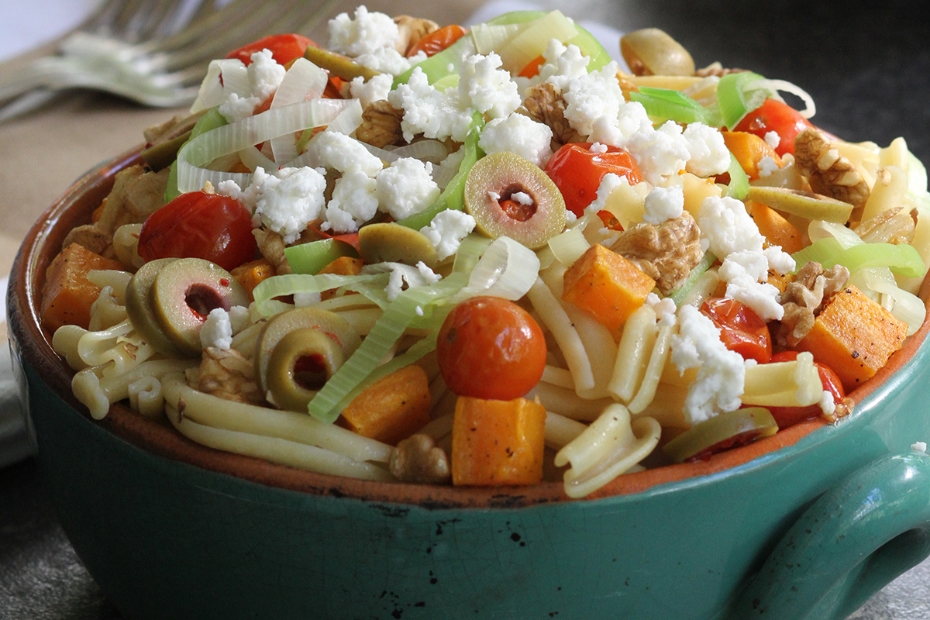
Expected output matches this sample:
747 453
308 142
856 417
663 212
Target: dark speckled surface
867 65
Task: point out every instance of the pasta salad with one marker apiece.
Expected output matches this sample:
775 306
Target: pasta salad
490 257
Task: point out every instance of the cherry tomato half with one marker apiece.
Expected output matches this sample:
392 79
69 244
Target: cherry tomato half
437 40
773 115
284 48
198 225
491 348
577 171
788 416
741 329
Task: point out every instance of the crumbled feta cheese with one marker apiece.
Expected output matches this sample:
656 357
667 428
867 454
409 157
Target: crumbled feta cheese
631 119
562 64
343 153
518 134
446 231
362 35
236 108
388 60
522 198
665 309
772 139
663 204
660 153
609 182
308 298
744 272
216 330
727 226
354 202
288 200
919 446
435 114
485 87
779 261
406 187
263 76
709 153
591 96
721 372
597 147
375 89
412 277
767 166
419 310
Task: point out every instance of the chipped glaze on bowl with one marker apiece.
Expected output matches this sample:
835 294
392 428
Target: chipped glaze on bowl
170 528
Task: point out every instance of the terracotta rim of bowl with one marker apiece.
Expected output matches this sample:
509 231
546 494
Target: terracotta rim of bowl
161 439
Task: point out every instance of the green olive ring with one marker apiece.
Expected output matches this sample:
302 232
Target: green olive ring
301 362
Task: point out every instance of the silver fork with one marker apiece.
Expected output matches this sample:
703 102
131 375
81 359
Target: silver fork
159 72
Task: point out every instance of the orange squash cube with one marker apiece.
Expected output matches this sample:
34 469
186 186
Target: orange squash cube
774 227
251 274
854 336
608 286
497 442
67 294
392 408
749 149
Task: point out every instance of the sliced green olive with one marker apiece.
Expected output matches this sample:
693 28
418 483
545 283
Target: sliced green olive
510 196
301 362
390 242
329 323
337 64
721 432
805 204
185 291
139 307
651 51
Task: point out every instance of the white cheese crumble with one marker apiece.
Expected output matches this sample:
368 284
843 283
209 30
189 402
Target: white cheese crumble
721 373
406 277
660 153
709 154
827 404
354 202
364 34
220 325
591 96
522 198
772 139
665 309
518 134
288 200
375 89
343 153
388 60
433 113
406 187
609 182
264 76
919 446
663 204
616 131
446 231
767 166
562 64
485 87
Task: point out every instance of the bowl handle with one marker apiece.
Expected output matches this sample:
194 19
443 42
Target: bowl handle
849 544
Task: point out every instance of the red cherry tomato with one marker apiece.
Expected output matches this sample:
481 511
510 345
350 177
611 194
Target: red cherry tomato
491 348
788 416
577 172
741 329
284 48
438 40
198 225
773 115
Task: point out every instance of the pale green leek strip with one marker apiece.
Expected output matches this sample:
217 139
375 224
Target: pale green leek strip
398 316
370 285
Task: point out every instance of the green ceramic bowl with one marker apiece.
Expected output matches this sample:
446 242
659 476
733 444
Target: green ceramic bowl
805 524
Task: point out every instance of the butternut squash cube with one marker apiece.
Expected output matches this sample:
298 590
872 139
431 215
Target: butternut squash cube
251 274
749 149
497 442
342 266
608 286
67 294
854 336
774 227
392 408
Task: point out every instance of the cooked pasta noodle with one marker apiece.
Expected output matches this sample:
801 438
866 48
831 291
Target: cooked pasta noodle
212 411
146 397
126 244
552 313
636 342
276 450
561 430
106 311
561 377
97 392
653 371
888 192
566 402
608 447
599 344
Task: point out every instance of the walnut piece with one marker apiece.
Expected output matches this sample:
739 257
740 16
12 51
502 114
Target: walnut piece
544 104
828 172
666 253
228 374
380 124
411 30
271 245
418 459
91 237
804 297
170 129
